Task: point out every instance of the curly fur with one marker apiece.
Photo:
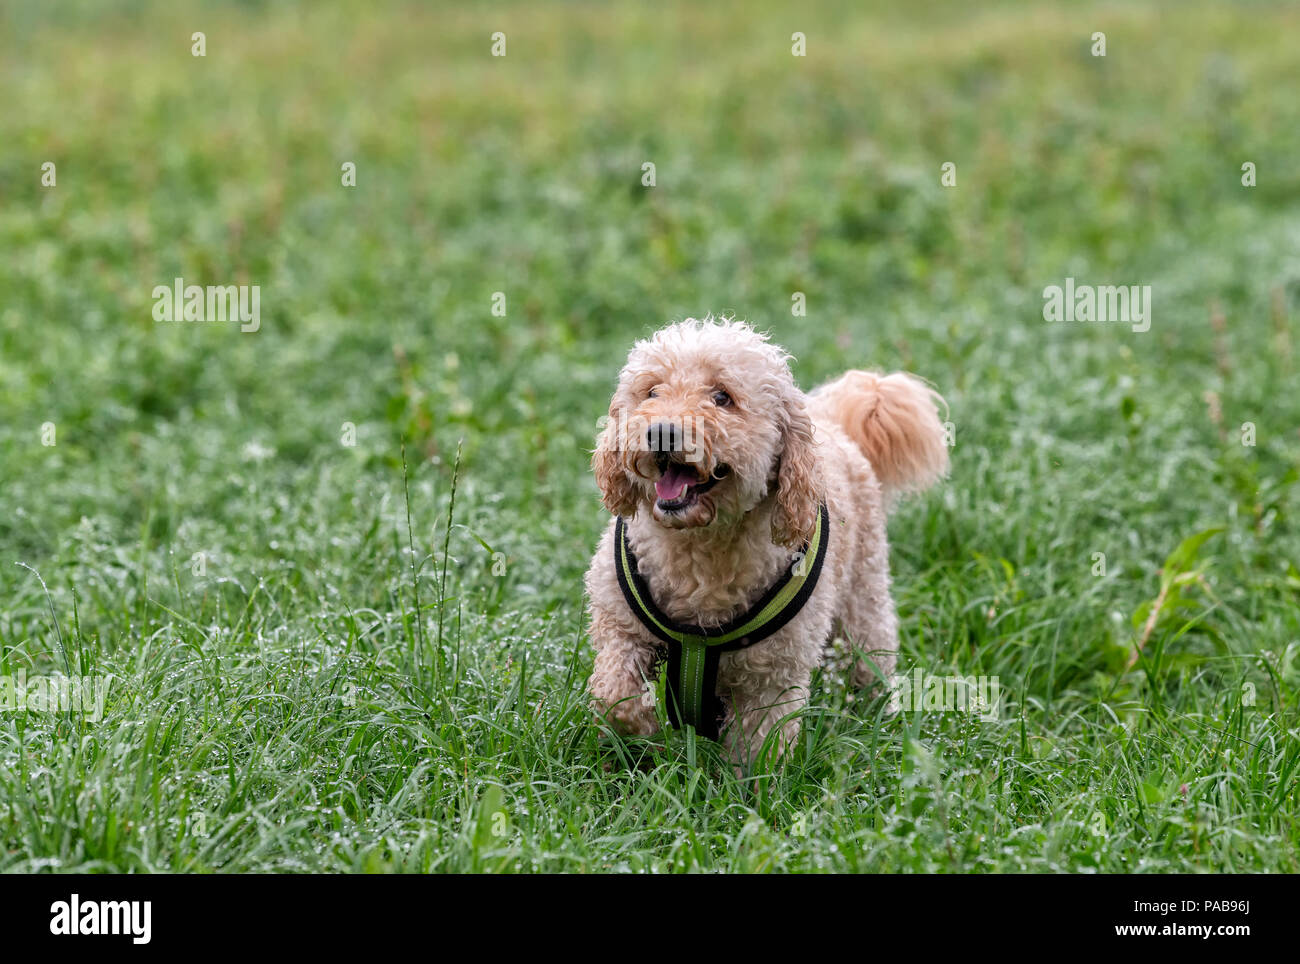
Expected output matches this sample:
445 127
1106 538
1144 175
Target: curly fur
855 442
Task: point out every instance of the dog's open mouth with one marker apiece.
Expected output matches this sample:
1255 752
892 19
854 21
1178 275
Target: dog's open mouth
679 485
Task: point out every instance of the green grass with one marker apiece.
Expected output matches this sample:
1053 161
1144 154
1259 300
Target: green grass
286 705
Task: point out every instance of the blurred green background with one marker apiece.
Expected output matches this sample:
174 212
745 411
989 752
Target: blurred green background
522 174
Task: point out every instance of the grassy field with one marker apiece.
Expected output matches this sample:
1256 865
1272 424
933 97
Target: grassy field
320 663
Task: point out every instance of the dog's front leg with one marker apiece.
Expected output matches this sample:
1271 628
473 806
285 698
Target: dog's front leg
756 712
622 679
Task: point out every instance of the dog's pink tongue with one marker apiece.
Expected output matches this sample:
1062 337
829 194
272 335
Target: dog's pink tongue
673 483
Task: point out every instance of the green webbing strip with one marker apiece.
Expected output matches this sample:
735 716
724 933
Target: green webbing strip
631 584
761 619
694 654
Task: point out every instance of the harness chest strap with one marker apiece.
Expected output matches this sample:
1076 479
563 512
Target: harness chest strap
694 651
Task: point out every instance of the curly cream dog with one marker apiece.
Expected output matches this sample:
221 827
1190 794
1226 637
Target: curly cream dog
718 465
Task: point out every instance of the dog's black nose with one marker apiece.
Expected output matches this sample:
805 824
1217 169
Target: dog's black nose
664 437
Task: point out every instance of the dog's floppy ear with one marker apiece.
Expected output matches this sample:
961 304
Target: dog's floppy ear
798 493
616 489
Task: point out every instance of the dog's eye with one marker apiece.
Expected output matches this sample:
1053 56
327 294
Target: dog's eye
721 399
652 394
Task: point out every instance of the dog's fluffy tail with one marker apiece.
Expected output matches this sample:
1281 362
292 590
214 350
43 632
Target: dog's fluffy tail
894 419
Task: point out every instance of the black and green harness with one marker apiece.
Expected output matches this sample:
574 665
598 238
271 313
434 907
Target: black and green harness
694 651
